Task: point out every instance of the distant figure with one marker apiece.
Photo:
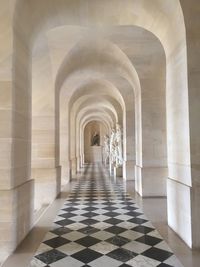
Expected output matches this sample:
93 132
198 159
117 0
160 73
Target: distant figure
112 147
95 140
118 146
116 158
106 148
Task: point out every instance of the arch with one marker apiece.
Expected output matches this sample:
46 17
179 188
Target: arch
67 63
128 72
96 118
92 103
83 124
83 115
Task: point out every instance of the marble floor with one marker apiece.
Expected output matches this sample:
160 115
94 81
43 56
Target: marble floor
100 224
90 186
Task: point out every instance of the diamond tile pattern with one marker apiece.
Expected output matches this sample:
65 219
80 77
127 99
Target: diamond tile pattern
100 225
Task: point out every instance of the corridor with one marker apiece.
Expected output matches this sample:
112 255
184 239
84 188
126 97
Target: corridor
89 82
100 225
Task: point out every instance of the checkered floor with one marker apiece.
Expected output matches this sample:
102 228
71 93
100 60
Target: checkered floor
100 225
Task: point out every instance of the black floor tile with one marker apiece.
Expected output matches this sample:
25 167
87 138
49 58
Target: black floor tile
118 240
113 221
130 208
61 231
90 214
157 254
143 229
134 213
69 209
89 221
86 255
149 240
125 265
115 230
56 242
164 265
67 215
50 256
64 222
88 241
136 220
122 254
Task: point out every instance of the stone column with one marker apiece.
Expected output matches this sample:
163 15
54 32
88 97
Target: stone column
16 187
129 142
45 128
82 160
73 167
151 166
16 190
118 171
183 184
78 159
47 176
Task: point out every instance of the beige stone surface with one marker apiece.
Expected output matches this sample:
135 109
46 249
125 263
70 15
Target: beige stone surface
17 216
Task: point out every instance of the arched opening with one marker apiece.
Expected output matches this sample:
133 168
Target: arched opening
93 142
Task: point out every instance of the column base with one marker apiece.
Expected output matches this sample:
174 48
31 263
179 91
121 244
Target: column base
65 174
195 212
129 170
118 171
16 218
151 181
73 167
80 164
110 169
47 186
82 160
179 210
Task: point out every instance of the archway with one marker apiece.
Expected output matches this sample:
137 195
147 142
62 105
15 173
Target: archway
93 142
